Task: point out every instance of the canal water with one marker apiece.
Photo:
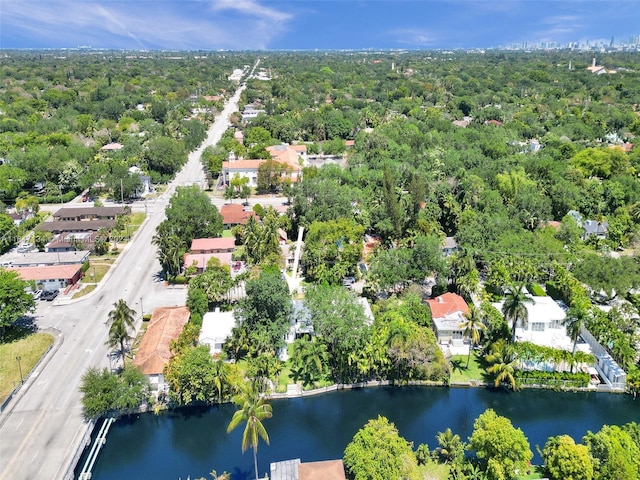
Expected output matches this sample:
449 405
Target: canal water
193 442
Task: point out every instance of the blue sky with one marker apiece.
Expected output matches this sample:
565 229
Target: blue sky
311 24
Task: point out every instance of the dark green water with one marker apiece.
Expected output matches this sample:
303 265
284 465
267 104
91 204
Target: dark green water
194 442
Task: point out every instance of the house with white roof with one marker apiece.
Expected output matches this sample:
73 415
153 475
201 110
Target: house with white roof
544 323
216 328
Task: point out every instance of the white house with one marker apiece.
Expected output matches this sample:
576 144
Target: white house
216 328
293 156
544 324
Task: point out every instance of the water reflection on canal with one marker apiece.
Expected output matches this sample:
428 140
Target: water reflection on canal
194 442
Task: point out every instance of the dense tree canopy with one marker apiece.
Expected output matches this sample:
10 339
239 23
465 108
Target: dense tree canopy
378 452
502 449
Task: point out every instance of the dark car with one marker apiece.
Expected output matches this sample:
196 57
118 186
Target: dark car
49 295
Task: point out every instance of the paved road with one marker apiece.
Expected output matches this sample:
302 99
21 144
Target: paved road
43 427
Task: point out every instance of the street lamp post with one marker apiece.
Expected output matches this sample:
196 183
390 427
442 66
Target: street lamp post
141 308
18 358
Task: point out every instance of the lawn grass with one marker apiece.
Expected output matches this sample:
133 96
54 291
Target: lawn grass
29 347
434 471
96 272
537 473
460 372
284 379
85 291
227 234
135 221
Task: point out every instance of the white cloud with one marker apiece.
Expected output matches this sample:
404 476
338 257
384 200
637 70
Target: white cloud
239 24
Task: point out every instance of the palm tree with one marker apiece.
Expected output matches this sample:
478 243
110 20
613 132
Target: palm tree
514 308
503 360
309 358
576 316
253 410
170 250
121 319
473 325
450 447
220 375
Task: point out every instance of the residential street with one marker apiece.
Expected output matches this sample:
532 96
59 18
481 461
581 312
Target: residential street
41 429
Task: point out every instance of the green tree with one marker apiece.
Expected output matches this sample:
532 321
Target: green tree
339 322
197 300
502 450
120 321
171 249
190 214
104 392
193 376
616 454
473 327
41 238
253 410
566 460
332 250
165 155
272 175
215 281
378 452
15 301
265 311
514 308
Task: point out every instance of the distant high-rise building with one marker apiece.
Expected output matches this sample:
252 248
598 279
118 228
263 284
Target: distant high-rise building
611 44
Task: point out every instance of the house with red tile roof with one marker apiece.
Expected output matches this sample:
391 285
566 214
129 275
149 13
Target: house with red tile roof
204 249
50 277
234 214
297 470
293 156
154 353
447 313
213 245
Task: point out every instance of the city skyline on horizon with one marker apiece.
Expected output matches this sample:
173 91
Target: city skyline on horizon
316 25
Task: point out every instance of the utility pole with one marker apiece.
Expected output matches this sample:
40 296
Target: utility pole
18 358
141 308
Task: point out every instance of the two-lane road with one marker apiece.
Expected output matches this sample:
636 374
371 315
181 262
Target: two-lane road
42 428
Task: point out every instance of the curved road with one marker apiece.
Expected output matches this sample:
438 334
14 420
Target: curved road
42 428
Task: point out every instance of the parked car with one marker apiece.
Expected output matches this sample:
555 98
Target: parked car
36 294
348 281
49 295
237 266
